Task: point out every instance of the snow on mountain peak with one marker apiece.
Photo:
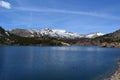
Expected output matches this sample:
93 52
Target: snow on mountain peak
59 30
93 35
54 33
58 33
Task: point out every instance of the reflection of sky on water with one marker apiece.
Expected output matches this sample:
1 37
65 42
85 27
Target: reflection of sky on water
59 61
2 58
76 48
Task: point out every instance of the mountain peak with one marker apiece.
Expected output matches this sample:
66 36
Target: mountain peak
54 33
94 34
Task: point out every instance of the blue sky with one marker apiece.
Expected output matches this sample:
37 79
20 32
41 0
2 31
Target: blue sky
80 16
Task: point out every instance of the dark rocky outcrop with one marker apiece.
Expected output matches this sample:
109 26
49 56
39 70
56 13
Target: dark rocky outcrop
4 36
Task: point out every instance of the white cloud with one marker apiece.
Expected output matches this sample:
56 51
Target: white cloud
49 10
5 4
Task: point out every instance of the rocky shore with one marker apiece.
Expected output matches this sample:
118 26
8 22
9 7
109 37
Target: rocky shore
116 74
113 44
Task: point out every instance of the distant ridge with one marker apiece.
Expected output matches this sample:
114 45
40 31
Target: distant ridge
54 33
56 37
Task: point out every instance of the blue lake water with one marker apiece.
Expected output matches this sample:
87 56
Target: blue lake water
56 63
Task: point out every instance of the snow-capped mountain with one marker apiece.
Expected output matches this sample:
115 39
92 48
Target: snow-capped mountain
59 33
93 35
53 33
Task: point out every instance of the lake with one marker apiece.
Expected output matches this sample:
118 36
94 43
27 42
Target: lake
57 63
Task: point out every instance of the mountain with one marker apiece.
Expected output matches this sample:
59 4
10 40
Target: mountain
94 35
115 34
4 36
52 33
55 37
108 40
3 33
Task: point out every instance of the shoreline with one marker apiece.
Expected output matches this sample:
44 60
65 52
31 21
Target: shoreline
116 74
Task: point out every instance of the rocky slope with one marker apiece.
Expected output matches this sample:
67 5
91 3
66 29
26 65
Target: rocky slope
116 74
4 36
108 40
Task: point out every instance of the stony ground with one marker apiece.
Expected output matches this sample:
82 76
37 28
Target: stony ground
116 75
